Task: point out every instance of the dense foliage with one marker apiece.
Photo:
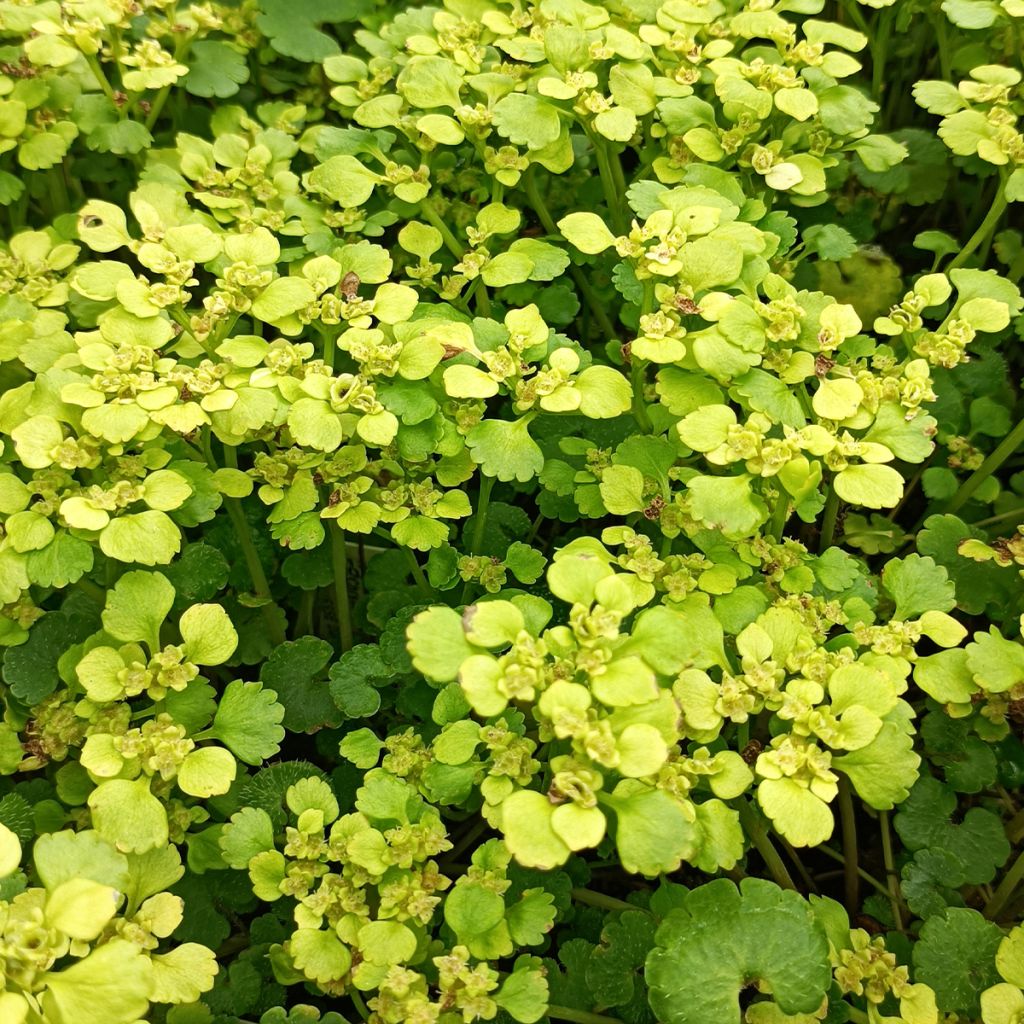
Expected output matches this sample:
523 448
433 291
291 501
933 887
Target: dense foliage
509 511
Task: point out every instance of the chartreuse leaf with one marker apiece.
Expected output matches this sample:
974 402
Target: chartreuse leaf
112 984
81 908
148 538
918 584
206 772
652 833
210 638
249 832
883 771
59 856
524 993
869 485
505 450
137 607
587 232
183 974
319 954
248 721
720 939
438 644
10 851
128 815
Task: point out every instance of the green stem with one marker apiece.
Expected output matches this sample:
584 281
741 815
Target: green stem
180 53
98 73
828 519
328 337
638 379
469 839
304 621
339 562
480 523
538 522
801 868
617 174
59 189
1002 452
1005 889
95 593
600 900
890 869
870 879
758 835
455 247
418 575
985 229
590 297
857 1016
848 817
611 197
779 515
743 734
180 317
1015 828
638 367
476 542
579 1016
261 588
357 1002
942 38
483 302
878 55
1014 513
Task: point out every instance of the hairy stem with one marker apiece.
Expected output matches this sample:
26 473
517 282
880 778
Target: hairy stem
758 835
1002 452
1005 890
339 562
357 1002
985 229
891 878
828 519
157 106
600 900
1014 513
454 246
480 524
261 588
418 575
100 75
869 878
608 183
848 817
590 297
476 542
579 1016
304 621
798 863
638 367
780 513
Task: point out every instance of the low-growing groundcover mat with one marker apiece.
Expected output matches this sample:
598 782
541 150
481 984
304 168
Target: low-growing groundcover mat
509 511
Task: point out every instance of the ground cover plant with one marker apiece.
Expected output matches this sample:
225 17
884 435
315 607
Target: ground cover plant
510 511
